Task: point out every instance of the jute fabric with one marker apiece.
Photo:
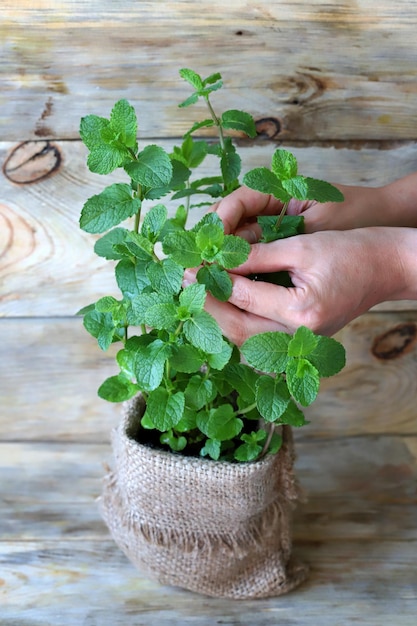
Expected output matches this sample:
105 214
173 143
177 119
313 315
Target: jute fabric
216 528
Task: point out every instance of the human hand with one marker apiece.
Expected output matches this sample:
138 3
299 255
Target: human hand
362 207
337 275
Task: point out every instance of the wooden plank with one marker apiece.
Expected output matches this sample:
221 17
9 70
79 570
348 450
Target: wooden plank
355 489
357 531
51 368
44 254
351 74
91 583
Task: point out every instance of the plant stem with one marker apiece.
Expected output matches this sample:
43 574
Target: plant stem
247 409
217 123
268 440
281 215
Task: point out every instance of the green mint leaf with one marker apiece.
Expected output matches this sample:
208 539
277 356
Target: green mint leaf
153 167
193 298
210 236
142 303
267 352
150 363
284 164
303 342
108 304
203 332
329 356
124 123
216 280
100 326
208 218
230 165
190 100
234 252
220 423
188 421
290 225
90 130
199 392
163 409
107 158
239 120
104 246
180 174
108 208
272 397
250 450
243 379
211 448
303 381
263 180
296 187
162 316
219 360
193 152
154 222
192 78
322 191
131 277
208 123
117 389
213 78
186 358
139 246
177 444
166 276
293 416
182 248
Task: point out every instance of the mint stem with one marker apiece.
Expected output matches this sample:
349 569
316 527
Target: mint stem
217 123
281 215
268 440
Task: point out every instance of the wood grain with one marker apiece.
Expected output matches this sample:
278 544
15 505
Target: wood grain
44 254
360 549
326 71
336 84
51 368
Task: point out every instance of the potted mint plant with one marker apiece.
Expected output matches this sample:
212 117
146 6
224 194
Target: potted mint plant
203 486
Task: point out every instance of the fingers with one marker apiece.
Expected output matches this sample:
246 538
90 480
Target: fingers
243 206
237 325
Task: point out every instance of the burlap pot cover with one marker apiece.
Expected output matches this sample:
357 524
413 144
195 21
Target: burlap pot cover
220 529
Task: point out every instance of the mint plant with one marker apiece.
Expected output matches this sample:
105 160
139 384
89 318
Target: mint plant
203 394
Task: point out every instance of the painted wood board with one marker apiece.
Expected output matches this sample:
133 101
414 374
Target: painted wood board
323 71
44 254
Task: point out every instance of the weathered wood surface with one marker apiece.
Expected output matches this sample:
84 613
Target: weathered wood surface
44 255
50 370
357 532
323 70
334 82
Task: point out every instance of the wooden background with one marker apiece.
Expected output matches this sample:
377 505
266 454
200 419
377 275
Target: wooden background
337 84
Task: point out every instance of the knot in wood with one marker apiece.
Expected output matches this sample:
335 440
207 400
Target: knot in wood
395 342
268 127
32 161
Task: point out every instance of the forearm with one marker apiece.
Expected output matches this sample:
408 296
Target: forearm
406 264
400 202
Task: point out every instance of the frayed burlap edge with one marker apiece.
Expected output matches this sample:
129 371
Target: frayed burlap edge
221 529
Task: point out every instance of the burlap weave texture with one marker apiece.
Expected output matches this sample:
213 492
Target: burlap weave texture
221 529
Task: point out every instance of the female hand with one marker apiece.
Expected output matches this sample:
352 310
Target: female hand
337 275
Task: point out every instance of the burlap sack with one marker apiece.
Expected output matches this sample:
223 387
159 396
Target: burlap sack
221 529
